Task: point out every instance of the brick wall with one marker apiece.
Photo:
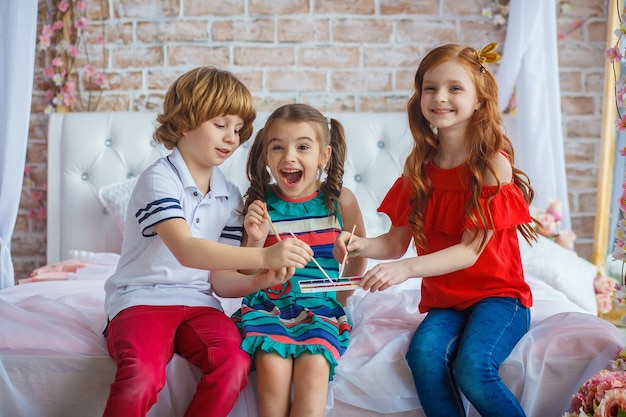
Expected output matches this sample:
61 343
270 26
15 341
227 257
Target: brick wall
357 55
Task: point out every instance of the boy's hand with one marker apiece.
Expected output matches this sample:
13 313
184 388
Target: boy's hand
290 253
256 225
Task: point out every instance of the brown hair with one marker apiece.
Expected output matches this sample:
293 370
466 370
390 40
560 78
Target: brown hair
484 137
329 132
200 95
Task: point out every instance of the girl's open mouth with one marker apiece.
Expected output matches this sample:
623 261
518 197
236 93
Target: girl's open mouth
291 176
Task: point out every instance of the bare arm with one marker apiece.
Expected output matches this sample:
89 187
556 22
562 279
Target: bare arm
230 283
456 257
352 217
199 253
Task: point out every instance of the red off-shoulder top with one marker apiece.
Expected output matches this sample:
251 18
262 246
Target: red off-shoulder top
498 271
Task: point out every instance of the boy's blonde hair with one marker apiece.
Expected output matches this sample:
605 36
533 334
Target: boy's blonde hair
200 95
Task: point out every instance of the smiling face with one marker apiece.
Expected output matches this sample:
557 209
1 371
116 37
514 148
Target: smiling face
293 155
211 143
448 98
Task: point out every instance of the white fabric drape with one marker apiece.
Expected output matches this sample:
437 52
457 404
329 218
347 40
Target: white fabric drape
530 65
18 27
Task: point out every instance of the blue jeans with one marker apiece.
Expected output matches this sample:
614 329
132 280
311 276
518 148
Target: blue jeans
461 351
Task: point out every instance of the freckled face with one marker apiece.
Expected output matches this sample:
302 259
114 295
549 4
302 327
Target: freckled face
293 156
449 96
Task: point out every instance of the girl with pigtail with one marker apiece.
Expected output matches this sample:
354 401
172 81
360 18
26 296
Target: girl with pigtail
295 168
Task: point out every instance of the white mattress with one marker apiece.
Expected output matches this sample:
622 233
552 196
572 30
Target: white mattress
54 362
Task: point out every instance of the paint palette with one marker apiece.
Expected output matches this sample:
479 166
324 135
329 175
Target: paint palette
324 285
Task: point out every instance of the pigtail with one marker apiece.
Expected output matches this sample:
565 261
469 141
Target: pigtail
256 170
334 171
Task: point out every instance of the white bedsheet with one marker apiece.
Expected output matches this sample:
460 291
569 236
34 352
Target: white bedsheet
54 362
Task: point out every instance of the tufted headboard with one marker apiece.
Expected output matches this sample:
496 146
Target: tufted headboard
87 151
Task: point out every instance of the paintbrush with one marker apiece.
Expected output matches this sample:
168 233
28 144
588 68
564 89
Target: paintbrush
345 256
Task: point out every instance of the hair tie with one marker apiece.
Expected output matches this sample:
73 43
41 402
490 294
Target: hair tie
488 55
328 121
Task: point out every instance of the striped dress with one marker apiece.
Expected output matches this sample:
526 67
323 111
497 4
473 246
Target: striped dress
283 320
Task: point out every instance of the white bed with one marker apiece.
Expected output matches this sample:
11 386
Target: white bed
53 358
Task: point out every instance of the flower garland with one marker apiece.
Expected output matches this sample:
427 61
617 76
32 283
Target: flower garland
61 39
614 55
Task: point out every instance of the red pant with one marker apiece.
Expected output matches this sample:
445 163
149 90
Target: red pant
143 339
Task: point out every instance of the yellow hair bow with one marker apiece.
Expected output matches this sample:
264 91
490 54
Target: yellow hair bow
488 54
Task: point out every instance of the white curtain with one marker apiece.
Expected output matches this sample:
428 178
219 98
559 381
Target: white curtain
18 27
530 65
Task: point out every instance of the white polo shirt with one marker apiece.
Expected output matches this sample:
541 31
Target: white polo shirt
147 272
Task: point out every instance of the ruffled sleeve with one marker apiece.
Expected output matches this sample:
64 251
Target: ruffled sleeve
508 208
397 203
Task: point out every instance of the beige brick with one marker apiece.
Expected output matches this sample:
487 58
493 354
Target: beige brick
176 31
362 30
587 201
580 151
584 248
270 103
137 56
113 102
329 56
161 79
214 7
355 80
478 33
305 29
583 127
463 8
579 55
405 80
345 7
125 80
386 103
144 9
279 7
571 81
329 103
577 105
252 30
148 102
582 177
594 82
416 7
428 33
597 31
394 56
111 32
98 10
583 225
252 79
296 81
265 56
197 55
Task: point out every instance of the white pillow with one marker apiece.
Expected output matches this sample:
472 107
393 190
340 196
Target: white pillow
115 199
562 269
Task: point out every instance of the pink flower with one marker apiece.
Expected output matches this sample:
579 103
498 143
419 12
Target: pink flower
36 195
73 51
81 23
57 62
49 71
613 54
555 208
560 35
81 5
100 39
44 41
604 303
566 238
547 224
47 30
614 400
623 153
621 123
90 69
64 5
595 388
603 284
58 25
